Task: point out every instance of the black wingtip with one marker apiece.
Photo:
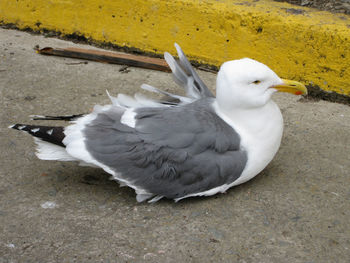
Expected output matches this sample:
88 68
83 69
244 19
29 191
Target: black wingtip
57 118
54 135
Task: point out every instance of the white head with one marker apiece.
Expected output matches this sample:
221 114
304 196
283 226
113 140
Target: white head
247 83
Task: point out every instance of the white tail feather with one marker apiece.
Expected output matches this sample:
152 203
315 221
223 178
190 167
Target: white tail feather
49 151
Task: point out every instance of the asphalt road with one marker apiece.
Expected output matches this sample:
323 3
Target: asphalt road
296 210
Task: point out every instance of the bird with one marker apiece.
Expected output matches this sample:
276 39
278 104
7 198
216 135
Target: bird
179 146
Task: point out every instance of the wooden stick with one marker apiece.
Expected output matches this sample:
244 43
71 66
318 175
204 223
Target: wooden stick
108 57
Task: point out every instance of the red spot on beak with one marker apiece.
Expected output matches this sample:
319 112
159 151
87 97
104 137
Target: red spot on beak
298 92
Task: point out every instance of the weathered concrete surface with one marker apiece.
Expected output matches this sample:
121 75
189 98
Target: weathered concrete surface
297 210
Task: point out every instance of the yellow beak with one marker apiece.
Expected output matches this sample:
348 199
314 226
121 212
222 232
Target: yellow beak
291 86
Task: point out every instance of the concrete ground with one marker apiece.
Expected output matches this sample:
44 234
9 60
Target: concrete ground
296 210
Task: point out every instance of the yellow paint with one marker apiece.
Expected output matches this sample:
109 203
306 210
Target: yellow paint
312 47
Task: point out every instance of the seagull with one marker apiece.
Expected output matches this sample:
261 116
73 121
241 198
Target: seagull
177 147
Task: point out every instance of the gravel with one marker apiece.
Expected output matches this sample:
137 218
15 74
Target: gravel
335 6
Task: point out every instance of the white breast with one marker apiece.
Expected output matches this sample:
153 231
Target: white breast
261 133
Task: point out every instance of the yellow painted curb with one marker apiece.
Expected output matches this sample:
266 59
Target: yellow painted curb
298 43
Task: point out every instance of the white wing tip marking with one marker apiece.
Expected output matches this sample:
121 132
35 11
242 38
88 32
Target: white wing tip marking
19 127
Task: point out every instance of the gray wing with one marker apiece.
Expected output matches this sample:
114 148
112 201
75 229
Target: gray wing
185 76
171 152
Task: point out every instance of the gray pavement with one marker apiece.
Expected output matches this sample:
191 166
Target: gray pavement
296 210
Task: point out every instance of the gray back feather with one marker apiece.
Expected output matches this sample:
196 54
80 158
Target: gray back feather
172 152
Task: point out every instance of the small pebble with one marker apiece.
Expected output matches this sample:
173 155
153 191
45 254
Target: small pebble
48 205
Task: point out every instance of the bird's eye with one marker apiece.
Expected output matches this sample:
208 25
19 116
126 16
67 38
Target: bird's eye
256 82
